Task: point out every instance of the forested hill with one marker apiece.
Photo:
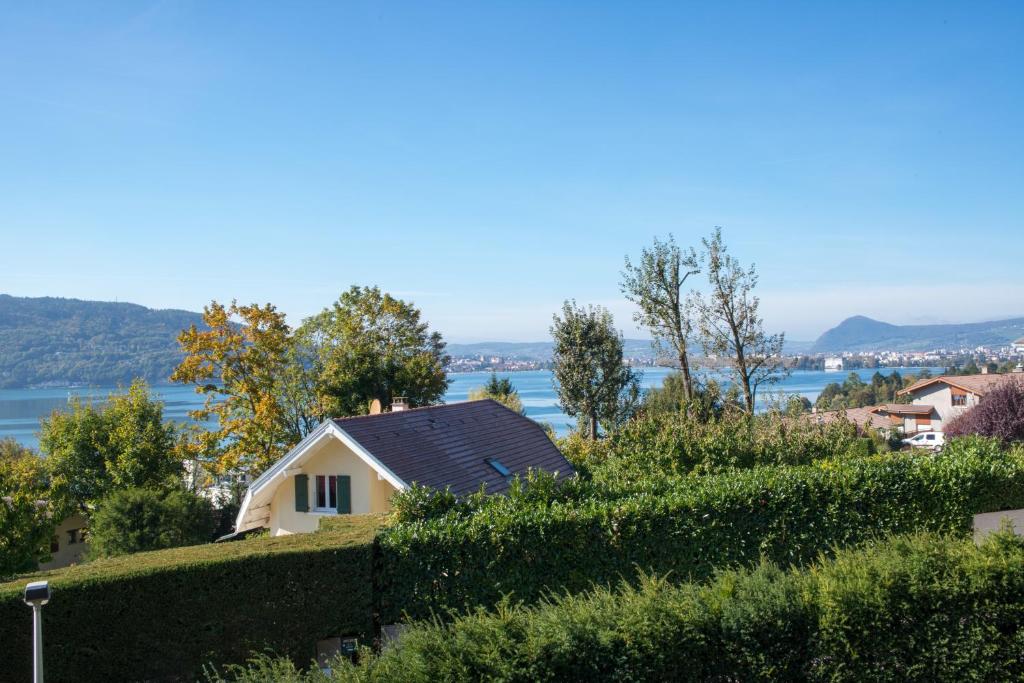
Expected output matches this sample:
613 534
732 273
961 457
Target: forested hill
51 341
864 334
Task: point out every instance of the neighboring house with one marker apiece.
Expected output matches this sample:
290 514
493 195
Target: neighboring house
937 400
862 417
69 543
354 465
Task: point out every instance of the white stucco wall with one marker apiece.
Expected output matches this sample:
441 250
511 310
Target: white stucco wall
369 494
940 396
988 522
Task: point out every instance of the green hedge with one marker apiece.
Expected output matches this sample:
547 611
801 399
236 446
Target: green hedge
163 614
920 608
690 528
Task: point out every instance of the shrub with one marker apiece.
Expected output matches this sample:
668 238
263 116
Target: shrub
919 608
136 519
679 444
162 614
1000 415
689 527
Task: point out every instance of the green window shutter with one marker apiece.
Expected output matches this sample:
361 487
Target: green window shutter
344 494
301 493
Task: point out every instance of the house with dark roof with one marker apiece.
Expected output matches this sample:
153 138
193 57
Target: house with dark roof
354 465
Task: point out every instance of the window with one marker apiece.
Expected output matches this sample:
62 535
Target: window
959 399
72 536
54 545
501 469
325 493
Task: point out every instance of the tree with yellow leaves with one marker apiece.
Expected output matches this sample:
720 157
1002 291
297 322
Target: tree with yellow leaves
245 365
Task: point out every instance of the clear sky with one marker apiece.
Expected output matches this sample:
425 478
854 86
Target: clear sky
490 159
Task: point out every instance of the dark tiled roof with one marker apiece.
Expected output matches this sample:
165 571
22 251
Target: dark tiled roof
449 445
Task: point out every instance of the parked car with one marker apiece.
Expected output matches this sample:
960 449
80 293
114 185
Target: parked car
933 441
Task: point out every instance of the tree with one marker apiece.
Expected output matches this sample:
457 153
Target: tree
731 326
136 519
655 285
254 389
706 401
26 524
92 451
502 391
592 381
370 345
1000 414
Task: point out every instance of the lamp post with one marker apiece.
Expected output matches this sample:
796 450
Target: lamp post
37 594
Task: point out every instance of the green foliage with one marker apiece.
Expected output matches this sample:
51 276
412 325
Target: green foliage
370 345
136 519
26 525
693 442
161 615
918 608
689 526
50 341
92 451
856 393
502 391
593 383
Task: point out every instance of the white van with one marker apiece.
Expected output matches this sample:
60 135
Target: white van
933 441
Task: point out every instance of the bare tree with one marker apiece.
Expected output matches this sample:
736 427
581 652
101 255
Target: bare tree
730 325
655 285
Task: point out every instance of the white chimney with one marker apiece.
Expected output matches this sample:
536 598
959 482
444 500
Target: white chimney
398 403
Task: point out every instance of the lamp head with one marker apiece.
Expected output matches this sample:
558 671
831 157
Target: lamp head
37 593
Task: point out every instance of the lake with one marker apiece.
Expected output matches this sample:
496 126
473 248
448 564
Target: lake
20 409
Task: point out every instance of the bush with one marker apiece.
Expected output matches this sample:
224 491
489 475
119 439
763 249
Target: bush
1000 415
136 519
162 614
920 608
689 527
680 444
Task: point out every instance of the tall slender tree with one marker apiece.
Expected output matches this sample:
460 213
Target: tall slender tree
730 324
655 284
593 382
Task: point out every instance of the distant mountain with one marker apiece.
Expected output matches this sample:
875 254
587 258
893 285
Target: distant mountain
58 342
864 334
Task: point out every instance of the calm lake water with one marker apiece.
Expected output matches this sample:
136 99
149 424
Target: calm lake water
20 409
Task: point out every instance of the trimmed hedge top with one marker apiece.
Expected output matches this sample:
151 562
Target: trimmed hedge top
350 531
163 615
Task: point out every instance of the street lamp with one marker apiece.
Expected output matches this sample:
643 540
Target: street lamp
37 594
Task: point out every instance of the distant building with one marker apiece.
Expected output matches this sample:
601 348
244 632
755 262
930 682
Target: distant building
833 364
1018 346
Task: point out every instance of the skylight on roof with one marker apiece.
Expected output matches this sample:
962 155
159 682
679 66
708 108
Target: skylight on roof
496 464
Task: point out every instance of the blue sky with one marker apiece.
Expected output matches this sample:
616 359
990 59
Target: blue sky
488 160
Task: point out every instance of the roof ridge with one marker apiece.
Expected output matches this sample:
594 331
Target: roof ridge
420 409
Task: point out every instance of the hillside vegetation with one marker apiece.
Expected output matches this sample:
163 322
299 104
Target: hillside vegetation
57 342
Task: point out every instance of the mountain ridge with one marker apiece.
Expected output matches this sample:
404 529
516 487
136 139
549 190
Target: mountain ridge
861 333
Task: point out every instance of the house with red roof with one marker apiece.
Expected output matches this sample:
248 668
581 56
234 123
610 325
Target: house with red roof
937 400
